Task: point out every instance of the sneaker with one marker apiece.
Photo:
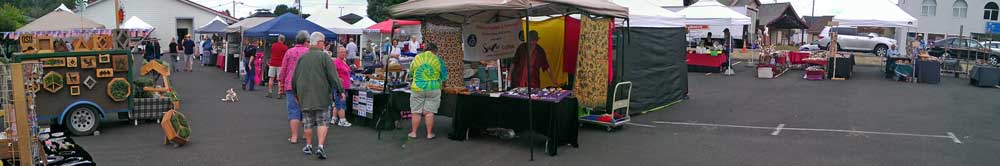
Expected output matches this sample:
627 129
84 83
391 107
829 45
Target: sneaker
321 153
308 150
268 95
333 121
344 123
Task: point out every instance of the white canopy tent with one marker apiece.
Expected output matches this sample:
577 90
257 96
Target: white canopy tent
879 14
716 16
643 13
330 19
135 23
711 12
64 8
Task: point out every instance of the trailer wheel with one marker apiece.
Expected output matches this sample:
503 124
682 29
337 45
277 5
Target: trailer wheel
82 120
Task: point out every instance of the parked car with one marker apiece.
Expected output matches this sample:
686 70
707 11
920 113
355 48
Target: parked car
992 45
963 48
812 46
849 39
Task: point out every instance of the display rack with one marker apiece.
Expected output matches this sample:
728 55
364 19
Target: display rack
18 85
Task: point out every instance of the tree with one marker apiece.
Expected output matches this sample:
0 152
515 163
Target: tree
378 10
38 8
282 9
11 18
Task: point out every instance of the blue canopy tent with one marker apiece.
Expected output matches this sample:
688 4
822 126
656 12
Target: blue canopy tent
288 25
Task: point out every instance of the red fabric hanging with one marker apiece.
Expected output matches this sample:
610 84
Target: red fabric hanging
571 44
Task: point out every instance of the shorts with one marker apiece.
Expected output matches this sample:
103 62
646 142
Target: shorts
315 118
294 112
272 71
428 101
339 102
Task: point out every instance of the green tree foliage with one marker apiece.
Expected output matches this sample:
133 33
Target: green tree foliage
38 8
11 18
378 10
282 9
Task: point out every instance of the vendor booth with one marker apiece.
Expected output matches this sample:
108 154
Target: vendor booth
287 25
652 55
907 65
235 37
492 31
216 28
330 20
710 17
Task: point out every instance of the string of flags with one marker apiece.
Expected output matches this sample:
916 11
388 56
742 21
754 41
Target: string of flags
86 33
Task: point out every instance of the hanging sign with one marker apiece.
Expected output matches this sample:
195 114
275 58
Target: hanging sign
697 27
490 41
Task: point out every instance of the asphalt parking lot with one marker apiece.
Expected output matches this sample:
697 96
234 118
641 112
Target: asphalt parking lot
729 120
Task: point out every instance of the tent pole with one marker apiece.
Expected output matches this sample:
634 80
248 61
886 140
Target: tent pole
531 117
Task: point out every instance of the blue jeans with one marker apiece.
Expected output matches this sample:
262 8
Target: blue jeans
294 112
248 80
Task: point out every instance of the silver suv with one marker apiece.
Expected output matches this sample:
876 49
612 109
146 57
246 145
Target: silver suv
849 39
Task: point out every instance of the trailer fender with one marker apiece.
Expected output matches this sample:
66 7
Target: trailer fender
85 103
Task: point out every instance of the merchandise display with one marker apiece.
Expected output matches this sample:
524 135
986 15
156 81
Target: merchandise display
544 94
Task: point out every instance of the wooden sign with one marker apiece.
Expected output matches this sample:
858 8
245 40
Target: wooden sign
88 62
74 90
105 73
72 62
119 63
27 42
53 62
44 44
104 58
72 78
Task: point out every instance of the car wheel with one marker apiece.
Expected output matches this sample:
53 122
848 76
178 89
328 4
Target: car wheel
82 120
881 50
993 60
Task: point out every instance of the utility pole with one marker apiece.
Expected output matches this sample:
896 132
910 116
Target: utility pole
234 9
342 11
327 4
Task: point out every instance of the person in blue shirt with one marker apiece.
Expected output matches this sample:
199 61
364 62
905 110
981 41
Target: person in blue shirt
206 51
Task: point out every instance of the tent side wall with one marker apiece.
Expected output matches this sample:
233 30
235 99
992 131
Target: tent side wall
654 60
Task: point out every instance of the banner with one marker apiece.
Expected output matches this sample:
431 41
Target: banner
491 41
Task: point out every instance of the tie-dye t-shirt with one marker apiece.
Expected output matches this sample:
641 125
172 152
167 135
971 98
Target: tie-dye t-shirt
428 71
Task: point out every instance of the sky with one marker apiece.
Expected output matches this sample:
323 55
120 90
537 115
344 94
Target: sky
823 7
244 7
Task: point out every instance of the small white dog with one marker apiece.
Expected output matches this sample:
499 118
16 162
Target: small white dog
231 96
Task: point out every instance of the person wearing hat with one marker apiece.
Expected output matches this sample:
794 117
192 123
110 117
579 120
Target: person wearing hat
533 62
429 74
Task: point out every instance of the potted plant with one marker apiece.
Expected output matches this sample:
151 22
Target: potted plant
119 89
173 99
53 81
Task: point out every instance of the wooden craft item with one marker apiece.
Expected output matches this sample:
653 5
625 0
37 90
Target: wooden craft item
105 73
72 78
102 42
119 63
88 62
27 43
53 62
104 58
72 62
82 44
74 90
44 44
128 90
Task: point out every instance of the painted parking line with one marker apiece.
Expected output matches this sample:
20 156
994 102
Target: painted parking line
781 127
641 125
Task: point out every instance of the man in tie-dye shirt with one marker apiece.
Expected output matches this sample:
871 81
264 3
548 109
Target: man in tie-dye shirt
428 74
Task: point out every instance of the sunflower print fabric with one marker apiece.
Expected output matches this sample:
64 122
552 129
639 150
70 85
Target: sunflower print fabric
447 36
591 87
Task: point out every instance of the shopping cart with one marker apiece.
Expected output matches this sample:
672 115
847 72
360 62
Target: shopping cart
619 112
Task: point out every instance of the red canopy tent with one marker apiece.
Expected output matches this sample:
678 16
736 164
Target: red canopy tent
386 26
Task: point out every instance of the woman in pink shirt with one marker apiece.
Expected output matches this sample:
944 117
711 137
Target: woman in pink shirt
340 104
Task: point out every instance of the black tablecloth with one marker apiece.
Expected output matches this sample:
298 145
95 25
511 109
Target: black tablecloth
928 72
844 67
75 155
556 120
400 103
984 76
